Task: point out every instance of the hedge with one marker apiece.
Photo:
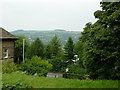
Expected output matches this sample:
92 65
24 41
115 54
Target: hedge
75 76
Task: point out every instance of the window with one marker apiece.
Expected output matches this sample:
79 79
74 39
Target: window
6 53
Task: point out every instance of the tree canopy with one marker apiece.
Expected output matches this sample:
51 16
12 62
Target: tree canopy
35 49
102 40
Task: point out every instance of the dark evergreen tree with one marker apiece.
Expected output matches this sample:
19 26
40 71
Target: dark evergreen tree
48 52
54 54
69 51
55 47
36 49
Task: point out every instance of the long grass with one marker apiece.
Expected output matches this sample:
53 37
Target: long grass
45 82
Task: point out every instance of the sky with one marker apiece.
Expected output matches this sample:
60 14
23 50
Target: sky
47 14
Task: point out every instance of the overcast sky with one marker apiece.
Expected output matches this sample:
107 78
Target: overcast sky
47 14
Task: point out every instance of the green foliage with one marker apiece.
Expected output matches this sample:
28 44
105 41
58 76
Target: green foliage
8 67
81 46
68 52
8 86
48 52
54 49
102 51
57 65
79 50
36 65
73 76
19 48
76 69
35 49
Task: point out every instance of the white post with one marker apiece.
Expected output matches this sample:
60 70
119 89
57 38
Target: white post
23 49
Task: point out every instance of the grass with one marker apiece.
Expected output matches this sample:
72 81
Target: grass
0 80
45 82
0 76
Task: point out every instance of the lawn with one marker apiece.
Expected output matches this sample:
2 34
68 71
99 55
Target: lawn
0 80
0 76
45 82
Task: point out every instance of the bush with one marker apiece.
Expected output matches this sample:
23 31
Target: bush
36 65
58 65
73 76
8 66
8 86
74 68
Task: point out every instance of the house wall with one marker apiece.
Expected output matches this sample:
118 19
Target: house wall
8 44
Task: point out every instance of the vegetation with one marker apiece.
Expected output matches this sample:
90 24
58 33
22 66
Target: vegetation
97 49
8 67
55 48
58 65
95 56
69 51
75 68
36 65
9 86
45 82
0 75
35 49
19 48
101 53
54 54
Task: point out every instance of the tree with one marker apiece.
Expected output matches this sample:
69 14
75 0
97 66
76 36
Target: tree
80 46
35 49
79 50
55 47
102 54
48 52
19 49
69 53
57 64
54 54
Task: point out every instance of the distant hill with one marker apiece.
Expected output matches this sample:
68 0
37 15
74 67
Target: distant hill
18 31
59 30
46 36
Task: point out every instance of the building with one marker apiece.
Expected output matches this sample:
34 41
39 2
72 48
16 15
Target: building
7 45
55 75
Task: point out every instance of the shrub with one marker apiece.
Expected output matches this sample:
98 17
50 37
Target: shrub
75 72
8 67
75 76
36 65
74 68
8 86
58 65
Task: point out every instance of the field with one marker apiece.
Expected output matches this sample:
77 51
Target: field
45 82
